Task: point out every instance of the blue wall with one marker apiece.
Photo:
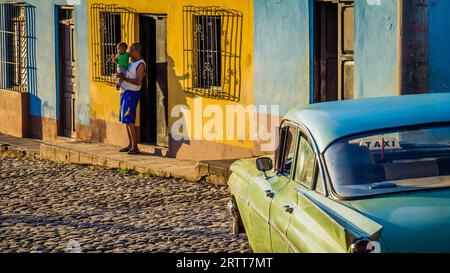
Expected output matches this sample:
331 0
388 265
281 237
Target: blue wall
282 51
42 61
376 49
439 43
281 48
83 95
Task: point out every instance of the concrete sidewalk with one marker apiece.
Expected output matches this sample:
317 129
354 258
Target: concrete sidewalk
104 155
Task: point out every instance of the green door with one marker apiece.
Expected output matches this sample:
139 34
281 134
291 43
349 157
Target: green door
283 201
261 193
310 228
280 216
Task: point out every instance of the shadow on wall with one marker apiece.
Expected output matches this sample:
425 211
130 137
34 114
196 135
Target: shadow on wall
31 70
177 93
212 39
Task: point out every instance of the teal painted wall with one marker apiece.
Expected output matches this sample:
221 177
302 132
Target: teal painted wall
43 90
281 48
282 51
376 61
439 42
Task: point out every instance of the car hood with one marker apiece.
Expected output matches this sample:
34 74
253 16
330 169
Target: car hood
412 222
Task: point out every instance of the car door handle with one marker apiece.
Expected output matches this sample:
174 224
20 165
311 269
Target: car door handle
289 209
270 193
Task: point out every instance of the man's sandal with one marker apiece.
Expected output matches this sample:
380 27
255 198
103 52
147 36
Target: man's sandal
134 152
124 150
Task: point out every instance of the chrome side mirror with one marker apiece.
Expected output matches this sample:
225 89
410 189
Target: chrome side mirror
264 164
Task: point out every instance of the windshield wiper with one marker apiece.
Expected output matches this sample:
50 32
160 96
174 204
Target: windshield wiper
383 185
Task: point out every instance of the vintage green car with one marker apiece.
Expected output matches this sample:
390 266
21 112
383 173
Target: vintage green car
359 176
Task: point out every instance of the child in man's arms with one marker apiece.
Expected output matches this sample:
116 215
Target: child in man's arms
122 60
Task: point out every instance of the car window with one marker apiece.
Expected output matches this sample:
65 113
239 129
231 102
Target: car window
390 161
306 161
319 184
289 150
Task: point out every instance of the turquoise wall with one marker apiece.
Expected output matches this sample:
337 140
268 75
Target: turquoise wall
439 42
281 48
376 49
42 62
282 51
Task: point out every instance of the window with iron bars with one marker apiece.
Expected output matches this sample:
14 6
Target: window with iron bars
212 48
13 47
110 25
207 52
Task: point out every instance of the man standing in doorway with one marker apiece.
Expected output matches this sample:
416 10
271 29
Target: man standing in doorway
130 86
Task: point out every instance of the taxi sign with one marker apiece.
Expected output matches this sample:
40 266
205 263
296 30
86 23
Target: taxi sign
379 143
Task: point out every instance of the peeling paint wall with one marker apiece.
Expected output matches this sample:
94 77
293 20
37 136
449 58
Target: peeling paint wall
376 61
282 53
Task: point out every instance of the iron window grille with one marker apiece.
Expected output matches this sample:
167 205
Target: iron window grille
13 47
212 42
110 25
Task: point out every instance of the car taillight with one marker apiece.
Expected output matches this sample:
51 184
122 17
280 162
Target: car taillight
365 246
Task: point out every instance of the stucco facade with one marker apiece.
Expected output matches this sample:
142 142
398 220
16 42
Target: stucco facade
43 65
398 49
104 100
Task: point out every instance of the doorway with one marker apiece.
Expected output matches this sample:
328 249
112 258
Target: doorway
154 92
67 72
333 50
325 52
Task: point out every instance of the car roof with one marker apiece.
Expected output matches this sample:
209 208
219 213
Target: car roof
328 122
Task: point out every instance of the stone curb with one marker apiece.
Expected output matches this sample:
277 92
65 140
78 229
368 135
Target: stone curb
8 150
209 172
64 155
214 174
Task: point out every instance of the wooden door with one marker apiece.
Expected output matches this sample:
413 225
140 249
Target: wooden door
154 92
67 69
162 134
326 52
334 50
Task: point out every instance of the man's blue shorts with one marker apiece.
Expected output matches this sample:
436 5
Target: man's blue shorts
128 105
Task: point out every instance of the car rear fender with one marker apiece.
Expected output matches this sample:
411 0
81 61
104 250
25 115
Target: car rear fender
348 223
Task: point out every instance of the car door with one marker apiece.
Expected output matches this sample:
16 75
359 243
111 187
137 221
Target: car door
284 201
311 229
261 191
281 212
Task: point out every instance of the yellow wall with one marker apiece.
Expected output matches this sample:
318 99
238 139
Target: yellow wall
104 102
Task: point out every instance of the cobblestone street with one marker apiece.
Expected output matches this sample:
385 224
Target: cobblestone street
49 207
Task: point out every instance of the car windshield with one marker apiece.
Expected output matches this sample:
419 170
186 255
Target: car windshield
390 162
